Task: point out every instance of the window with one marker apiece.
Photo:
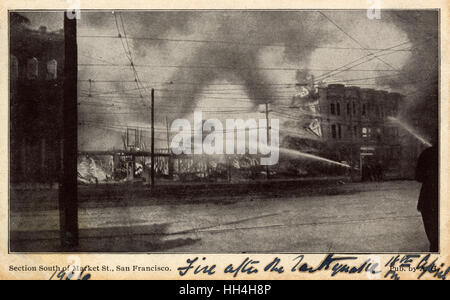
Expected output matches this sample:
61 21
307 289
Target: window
354 108
32 68
394 132
355 131
348 109
52 70
364 132
395 110
378 135
338 109
395 153
339 131
332 109
363 110
333 131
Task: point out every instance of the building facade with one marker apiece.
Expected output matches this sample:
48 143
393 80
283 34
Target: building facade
356 129
36 98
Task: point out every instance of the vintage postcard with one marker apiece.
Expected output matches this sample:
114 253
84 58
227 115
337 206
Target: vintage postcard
260 140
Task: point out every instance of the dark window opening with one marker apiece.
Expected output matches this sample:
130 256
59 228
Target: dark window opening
332 109
52 70
333 131
32 68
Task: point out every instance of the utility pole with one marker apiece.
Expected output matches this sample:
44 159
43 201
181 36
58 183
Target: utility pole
170 161
167 133
68 190
352 139
268 135
152 174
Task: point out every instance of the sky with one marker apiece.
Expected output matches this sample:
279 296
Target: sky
229 63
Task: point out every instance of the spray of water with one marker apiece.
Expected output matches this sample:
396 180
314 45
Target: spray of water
296 153
311 156
410 130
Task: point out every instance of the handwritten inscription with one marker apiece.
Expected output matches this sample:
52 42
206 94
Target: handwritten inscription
209 270
336 265
246 267
70 275
331 264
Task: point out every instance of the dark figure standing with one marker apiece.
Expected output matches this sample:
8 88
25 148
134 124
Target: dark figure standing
427 173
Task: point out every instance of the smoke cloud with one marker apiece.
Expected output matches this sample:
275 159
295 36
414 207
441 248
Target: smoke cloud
238 62
234 47
419 77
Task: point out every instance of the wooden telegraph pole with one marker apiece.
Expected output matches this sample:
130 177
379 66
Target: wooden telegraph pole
170 159
68 193
152 174
268 135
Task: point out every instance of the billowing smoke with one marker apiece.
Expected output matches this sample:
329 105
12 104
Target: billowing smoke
241 44
239 62
419 76
231 47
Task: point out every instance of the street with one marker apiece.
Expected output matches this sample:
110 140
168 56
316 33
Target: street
354 217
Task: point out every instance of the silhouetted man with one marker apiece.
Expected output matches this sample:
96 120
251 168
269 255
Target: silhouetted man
427 173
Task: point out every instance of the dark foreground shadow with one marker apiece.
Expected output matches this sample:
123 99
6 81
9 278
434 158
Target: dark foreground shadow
149 238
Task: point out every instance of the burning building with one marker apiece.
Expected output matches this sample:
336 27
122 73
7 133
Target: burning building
354 128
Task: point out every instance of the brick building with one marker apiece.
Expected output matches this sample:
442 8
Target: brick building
356 128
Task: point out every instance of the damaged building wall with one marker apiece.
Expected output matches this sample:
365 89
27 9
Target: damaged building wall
356 129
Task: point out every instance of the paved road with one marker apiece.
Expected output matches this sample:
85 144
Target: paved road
369 217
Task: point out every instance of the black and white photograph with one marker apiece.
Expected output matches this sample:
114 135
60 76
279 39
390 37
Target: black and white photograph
224 131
